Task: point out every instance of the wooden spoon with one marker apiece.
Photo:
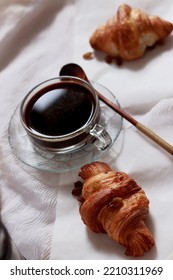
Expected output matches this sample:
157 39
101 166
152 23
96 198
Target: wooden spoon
75 70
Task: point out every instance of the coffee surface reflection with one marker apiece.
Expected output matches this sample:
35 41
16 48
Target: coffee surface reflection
60 111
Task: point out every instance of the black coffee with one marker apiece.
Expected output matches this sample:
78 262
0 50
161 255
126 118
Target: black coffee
61 111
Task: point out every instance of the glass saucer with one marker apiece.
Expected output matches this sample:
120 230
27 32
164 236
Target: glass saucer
57 163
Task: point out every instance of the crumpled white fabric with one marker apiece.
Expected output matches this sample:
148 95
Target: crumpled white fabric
33 48
37 39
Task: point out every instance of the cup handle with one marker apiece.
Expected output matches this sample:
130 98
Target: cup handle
103 139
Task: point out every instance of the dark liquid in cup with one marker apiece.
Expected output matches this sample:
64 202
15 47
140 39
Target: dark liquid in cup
60 110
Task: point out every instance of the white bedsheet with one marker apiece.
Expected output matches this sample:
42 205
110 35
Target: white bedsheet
36 39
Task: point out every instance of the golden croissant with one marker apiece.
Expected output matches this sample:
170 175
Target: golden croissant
129 33
114 203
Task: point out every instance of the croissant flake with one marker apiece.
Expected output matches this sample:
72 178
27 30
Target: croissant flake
114 203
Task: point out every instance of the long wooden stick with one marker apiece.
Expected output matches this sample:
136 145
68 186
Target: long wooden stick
73 69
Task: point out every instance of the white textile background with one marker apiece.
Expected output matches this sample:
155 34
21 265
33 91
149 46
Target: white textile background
36 39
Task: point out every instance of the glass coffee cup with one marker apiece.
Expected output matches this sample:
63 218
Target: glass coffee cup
62 115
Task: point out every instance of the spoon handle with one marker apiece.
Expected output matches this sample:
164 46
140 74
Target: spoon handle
156 138
73 69
145 130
